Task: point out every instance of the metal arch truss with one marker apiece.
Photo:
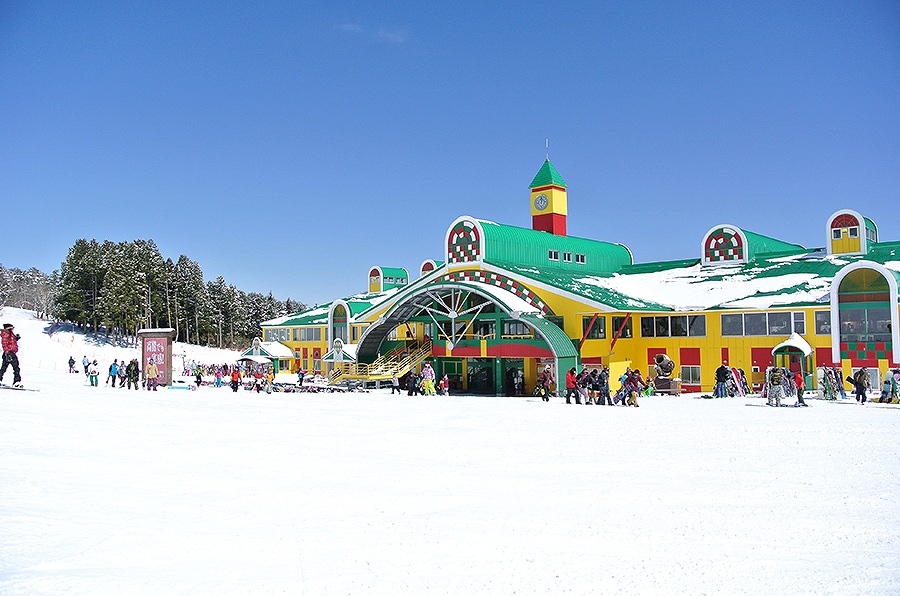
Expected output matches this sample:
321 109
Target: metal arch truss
449 304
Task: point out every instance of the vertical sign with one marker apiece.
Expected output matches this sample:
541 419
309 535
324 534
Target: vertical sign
155 347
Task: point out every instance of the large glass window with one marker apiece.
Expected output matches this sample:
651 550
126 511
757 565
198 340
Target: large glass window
308 334
755 324
558 321
516 329
732 324
760 323
823 322
598 330
674 326
278 334
485 329
697 325
617 324
780 323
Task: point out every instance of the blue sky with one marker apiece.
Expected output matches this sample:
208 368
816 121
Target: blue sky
290 146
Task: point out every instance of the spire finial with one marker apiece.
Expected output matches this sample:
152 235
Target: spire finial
547 145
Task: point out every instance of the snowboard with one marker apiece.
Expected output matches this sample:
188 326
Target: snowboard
736 379
10 387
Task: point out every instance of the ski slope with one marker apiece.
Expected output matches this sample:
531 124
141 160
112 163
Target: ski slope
104 491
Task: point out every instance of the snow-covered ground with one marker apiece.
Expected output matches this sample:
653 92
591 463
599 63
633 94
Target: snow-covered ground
104 491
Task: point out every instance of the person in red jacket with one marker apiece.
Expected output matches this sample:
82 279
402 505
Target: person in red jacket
10 341
235 379
571 387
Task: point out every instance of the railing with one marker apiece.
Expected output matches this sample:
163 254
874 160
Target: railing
383 367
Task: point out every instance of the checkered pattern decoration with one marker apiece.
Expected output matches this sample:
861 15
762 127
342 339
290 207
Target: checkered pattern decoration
865 352
724 244
500 281
464 244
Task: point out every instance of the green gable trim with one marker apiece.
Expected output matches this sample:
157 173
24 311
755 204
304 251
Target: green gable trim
546 176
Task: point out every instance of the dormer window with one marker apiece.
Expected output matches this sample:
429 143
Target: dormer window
567 257
836 234
580 258
853 232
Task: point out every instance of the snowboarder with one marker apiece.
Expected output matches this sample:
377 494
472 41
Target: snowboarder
10 340
236 379
113 369
86 363
71 364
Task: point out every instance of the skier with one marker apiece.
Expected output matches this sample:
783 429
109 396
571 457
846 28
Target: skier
71 364
121 372
775 390
723 373
10 341
235 379
86 364
198 375
428 379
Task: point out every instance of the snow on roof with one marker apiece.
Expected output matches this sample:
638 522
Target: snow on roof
795 341
318 315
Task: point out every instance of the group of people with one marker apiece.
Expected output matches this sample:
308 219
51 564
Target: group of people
781 383
890 389
591 387
127 375
422 383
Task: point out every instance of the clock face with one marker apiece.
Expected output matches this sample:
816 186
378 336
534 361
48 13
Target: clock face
541 202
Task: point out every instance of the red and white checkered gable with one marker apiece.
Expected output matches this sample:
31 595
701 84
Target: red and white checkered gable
463 243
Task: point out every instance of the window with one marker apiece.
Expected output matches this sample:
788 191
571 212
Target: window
823 322
780 323
516 329
580 259
836 234
697 325
308 334
317 366
278 334
617 324
305 364
760 323
598 330
690 375
392 336
567 257
733 325
553 255
558 321
800 323
675 326
755 323
485 329
853 232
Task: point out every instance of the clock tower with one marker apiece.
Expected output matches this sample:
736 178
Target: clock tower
549 205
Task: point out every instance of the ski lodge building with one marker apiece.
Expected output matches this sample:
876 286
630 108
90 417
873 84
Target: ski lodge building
503 302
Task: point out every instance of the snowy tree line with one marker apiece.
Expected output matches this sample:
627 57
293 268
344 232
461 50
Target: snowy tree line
119 288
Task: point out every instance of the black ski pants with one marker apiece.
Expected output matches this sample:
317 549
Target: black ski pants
10 359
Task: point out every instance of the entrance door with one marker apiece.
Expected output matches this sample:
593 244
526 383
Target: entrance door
514 376
480 375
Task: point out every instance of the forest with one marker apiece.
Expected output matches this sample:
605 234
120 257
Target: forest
119 288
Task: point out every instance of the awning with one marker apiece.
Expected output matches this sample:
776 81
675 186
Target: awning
347 354
796 342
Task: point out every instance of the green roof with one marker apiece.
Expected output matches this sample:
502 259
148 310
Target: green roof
511 244
759 244
395 272
547 175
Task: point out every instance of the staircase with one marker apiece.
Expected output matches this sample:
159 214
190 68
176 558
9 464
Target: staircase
397 361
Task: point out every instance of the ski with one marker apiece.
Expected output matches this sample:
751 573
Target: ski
14 388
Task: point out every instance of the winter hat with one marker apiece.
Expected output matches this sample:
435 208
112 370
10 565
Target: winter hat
7 325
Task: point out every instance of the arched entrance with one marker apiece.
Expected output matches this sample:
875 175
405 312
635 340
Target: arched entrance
492 334
864 315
